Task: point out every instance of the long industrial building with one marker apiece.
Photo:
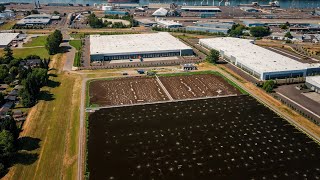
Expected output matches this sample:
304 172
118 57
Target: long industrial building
134 46
37 19
211 27
259 62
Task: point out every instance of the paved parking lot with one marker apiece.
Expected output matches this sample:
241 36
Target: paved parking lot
289 93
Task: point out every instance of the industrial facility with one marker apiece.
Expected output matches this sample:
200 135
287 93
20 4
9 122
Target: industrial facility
7 38
257 61
211 27
37 19
161 12
168 23
313 82
135 46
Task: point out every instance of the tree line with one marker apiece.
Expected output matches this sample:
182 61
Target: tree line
183 30
53 42
32 78
237 30
96 22
9 134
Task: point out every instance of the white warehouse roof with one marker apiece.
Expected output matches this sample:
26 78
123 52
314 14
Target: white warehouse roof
168 23
254 57
160 12
6 38
201 8
314 80
134 43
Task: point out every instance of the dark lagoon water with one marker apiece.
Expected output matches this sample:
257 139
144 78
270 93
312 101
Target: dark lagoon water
283 3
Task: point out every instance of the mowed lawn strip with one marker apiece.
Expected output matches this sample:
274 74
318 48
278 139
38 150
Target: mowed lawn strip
24 52
76 44
37 41
56 123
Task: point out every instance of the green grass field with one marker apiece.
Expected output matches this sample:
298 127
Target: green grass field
76 44
38 41
76 62
55 121
23 52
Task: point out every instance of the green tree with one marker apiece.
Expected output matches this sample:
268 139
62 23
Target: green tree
236 30
53 42
2 168
288 35
283 26
26 98
94 21
14 62
58 35
32 84
14 71
6 143
2 8
213 56
8 54
268 86
56 12
259 31
9 124
1 98
4 72
41 76
287 24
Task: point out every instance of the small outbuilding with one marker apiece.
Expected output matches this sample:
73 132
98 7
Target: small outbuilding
189 67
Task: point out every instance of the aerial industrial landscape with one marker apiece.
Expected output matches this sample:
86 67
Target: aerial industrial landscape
128 89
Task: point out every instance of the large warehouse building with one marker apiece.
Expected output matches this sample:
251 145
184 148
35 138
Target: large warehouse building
37 19
259 62
7 38
134 46
313 82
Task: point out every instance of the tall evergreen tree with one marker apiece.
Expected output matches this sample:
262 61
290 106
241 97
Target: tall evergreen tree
53 42
8 54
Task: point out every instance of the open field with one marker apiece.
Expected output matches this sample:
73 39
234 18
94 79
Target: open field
55 122
125 91
38 41
194 86
76 44
216 138
24 52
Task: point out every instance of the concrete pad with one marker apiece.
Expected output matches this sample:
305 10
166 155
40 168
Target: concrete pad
313 95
